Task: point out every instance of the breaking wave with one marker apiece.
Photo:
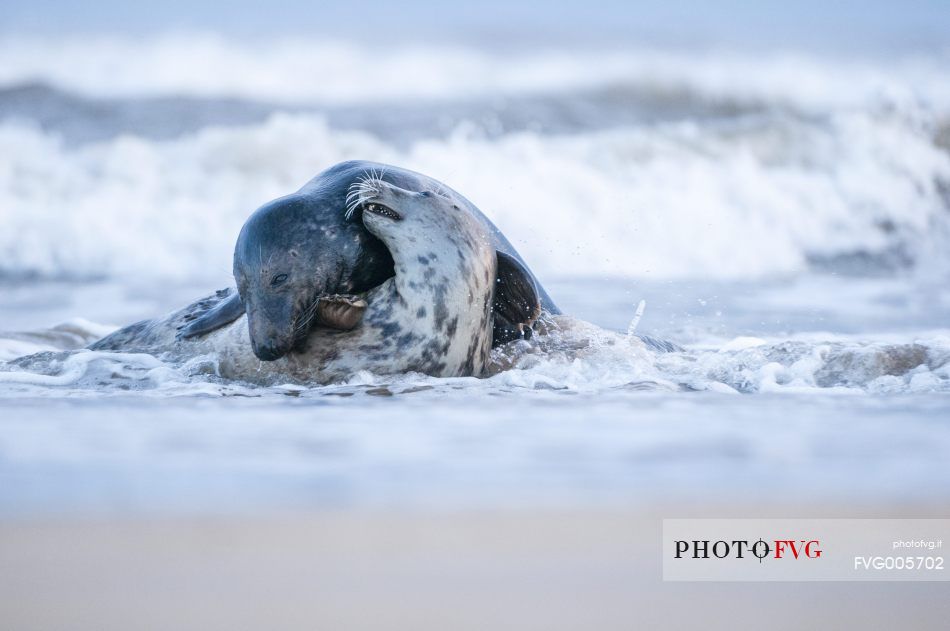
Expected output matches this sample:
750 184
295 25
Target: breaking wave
632 162
747 197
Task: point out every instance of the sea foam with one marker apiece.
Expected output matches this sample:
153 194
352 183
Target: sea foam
742 199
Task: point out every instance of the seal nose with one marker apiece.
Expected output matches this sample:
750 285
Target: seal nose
270 327
267 352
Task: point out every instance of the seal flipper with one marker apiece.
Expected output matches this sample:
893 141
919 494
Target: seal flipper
340 312
226 311
516 304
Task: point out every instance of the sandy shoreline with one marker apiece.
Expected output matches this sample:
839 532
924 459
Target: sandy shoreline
565 569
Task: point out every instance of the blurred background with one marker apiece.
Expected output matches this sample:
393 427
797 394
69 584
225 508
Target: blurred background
773 178
726 139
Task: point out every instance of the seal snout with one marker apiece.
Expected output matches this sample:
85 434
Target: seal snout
267 352
273 330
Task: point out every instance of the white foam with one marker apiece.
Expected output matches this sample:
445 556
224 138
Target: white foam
574 356
672 200
159 209
741 343
75 366
13 348
70 335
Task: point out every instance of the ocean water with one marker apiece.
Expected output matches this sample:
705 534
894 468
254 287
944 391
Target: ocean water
784 217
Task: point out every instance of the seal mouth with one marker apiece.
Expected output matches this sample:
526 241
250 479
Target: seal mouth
382 211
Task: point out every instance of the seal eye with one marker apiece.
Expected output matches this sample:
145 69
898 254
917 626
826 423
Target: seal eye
382 211
278 280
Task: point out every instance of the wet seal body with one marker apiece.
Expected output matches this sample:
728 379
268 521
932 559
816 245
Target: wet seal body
298 248
435 315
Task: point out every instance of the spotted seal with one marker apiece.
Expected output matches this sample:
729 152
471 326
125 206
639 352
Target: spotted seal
301 247
436 315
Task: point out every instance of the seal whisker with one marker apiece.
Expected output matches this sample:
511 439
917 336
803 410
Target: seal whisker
312 307
303 327
353 192
302 323
368 185
353 199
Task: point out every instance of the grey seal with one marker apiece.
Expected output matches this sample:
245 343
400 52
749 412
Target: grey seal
301 247
436 315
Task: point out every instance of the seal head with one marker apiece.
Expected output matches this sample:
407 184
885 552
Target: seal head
285 260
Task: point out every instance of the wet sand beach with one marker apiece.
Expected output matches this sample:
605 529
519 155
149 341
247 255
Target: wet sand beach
513 569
